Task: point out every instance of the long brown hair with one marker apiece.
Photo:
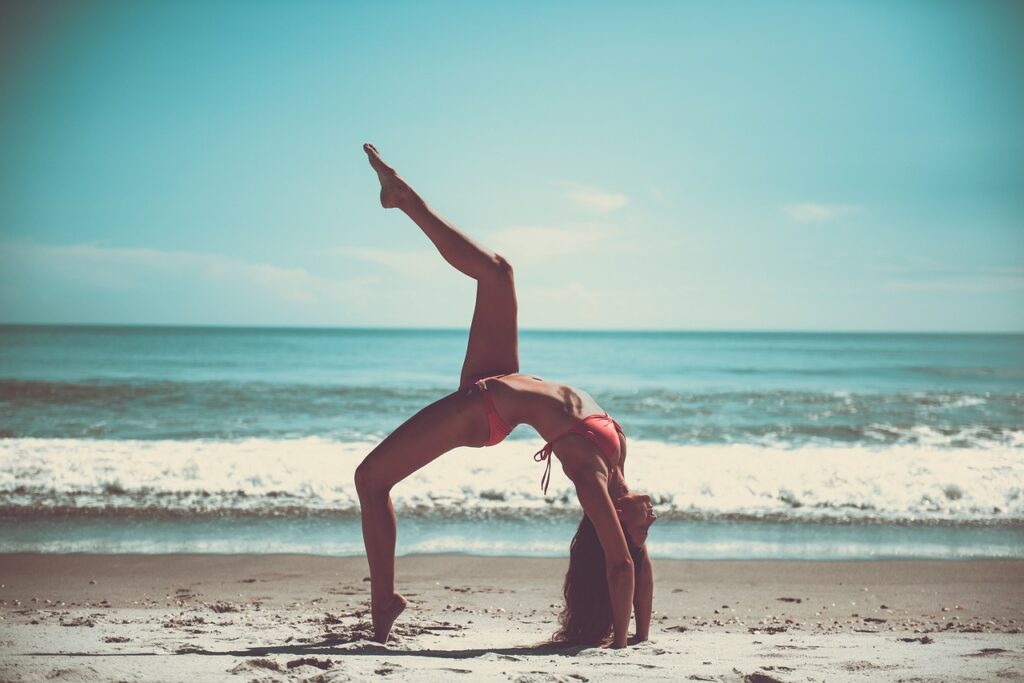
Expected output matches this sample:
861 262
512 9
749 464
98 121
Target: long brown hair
586 618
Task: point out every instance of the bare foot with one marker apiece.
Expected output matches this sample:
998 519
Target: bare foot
393 190
384 617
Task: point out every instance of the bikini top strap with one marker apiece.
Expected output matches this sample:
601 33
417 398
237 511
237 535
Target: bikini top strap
545 453
540 456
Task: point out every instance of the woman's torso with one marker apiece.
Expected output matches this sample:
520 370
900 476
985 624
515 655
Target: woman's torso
552 409
549 407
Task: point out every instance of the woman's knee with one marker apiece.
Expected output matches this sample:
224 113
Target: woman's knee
368 479
501 267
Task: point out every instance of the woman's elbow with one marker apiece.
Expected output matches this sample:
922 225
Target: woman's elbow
621 571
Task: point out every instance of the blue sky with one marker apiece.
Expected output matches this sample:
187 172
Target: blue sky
770 166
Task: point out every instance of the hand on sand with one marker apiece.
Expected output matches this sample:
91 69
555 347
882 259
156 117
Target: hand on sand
384 617
393 190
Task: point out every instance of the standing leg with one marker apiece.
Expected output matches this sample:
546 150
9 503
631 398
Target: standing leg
493 336
443 425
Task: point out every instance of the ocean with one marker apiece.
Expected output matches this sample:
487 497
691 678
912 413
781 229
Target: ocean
752 445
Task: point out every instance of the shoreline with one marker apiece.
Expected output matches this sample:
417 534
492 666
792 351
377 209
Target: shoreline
297 617
542 537
451 556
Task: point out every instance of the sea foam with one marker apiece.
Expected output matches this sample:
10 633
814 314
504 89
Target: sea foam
312 476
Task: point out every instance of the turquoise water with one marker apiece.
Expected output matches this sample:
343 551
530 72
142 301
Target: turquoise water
227 383
829 446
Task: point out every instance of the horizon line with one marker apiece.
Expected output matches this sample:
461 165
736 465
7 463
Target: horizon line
396 328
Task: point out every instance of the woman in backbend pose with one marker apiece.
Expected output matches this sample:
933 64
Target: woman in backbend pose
609 570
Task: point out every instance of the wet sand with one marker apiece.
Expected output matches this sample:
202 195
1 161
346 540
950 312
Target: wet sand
296 617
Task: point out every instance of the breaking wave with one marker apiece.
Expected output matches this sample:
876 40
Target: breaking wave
312 476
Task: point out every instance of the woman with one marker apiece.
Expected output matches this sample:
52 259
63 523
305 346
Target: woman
609 570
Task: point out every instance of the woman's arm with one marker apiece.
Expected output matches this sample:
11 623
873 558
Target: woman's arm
643 597
592 489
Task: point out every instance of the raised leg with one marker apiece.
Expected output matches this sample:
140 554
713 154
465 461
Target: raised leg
453 421
493 346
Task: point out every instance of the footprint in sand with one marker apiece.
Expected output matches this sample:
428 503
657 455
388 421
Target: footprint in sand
256 665
760 678
311 661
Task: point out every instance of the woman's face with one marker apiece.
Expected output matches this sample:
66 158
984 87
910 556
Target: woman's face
636 515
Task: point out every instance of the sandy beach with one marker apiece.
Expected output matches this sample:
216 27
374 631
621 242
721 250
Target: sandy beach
296 617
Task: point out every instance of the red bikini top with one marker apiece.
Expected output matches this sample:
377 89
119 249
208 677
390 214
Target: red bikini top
599 428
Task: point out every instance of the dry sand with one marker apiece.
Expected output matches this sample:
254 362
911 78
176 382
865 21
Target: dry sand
286 617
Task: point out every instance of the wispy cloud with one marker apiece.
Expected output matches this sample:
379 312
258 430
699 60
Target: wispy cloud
924 274
989 280
522 244
812 212
914 263
551 307
537 242
963 283
126 268
593 200
658 194
417 263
